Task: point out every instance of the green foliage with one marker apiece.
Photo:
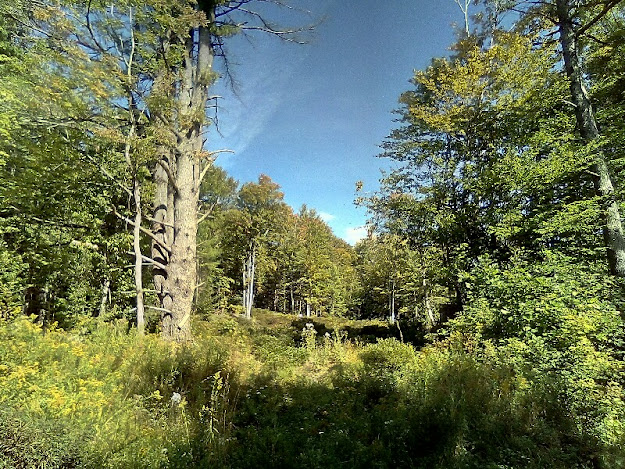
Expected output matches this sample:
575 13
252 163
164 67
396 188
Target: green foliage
321 274
252 394
12 284
559 322
295 258
102 397
490 220
26 441
493 188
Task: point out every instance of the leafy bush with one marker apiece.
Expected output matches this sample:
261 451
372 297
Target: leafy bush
557 325
11 283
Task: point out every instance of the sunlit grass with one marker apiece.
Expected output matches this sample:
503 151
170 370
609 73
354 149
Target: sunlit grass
274 393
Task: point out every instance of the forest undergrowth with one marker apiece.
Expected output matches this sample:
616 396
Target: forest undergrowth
285 392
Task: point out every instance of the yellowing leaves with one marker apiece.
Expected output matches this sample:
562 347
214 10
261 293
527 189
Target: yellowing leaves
22 373
456 90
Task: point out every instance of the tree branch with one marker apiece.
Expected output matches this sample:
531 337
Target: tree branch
209 166
150 261
143 230
170 176
206 214
109 175
158 309
154 220
606 8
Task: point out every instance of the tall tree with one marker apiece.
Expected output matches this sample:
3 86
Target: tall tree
250 230
574 22
140 73
482 169
182 161
53 203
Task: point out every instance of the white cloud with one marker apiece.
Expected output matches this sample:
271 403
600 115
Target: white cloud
244 121
327 217
353 235
246 113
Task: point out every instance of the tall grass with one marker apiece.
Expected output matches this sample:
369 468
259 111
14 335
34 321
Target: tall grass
274 393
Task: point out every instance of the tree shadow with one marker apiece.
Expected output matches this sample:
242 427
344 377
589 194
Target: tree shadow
460 414
408 331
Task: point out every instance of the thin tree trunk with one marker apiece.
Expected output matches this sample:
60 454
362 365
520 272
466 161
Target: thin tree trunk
392 302
244 284
464 7
250 303
427 304
249 269
138 258
136 188
105 296
612 229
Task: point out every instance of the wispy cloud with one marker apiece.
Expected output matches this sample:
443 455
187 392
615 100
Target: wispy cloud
353 235
327 217
249 118
246 113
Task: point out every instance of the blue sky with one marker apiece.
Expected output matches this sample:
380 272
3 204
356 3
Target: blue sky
312 116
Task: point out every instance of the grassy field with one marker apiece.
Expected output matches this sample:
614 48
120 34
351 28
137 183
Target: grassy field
281 391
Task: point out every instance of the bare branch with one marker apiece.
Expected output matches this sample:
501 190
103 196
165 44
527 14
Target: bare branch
207 214
41 221
88 24
143 230
154 263
158 309
209 166
170 176
606 8
464 8
160 222
109 175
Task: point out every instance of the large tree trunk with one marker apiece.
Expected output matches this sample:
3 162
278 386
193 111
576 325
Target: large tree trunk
612 229
178 177
162 227
182 273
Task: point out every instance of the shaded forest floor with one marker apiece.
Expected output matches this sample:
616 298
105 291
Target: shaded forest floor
281 391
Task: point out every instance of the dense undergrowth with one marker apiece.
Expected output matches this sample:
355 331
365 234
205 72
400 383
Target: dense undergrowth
281 392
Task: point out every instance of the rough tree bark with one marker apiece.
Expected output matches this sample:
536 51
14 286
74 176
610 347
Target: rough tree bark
178 175
183 162
612 229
